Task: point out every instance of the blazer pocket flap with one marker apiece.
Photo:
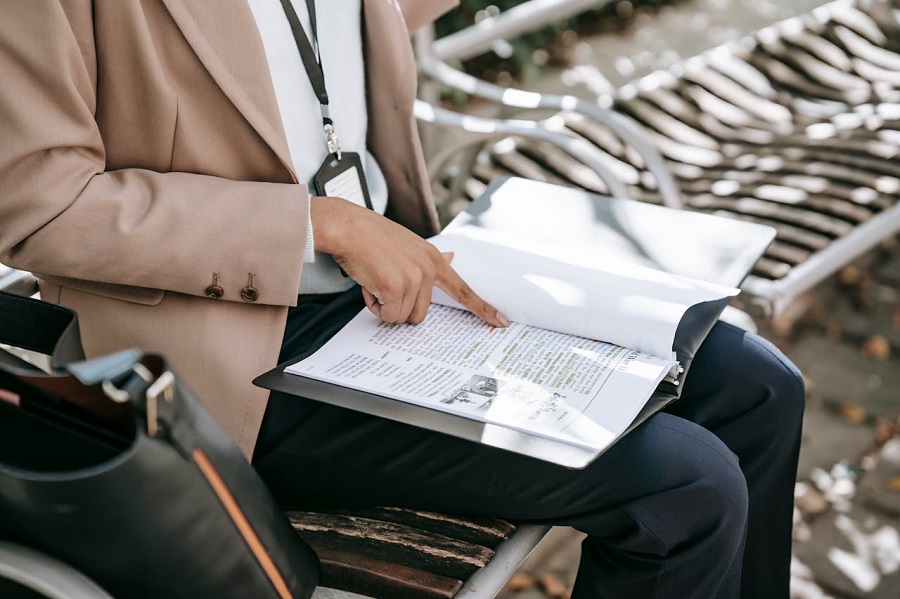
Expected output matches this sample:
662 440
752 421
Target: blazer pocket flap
127 293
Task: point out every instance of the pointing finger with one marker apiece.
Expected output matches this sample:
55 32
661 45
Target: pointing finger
459 290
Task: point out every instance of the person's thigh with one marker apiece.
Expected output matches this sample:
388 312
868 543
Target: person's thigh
313 453
638 501
735 373
661 470
747 393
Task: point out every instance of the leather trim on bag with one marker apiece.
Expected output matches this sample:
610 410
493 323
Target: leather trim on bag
243 525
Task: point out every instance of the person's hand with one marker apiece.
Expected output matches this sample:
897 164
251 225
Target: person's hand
396 268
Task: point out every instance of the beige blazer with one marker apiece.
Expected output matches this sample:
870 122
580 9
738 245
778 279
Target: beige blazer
142 159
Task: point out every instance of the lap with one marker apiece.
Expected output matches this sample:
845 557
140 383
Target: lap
341 457
314 453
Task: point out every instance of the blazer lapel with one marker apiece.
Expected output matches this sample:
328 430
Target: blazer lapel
241 70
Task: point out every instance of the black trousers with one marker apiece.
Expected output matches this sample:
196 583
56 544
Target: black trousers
696 502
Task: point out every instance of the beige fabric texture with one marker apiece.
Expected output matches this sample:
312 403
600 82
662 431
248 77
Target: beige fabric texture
143 152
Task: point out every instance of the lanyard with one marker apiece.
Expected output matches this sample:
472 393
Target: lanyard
312 62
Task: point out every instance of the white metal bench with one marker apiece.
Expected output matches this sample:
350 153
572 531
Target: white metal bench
796 126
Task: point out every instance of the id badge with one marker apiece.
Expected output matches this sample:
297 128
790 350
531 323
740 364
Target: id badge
343 178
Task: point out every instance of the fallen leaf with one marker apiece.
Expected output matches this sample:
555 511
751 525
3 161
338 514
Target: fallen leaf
849 275
553 586
852 412
878 347
884 431
834 331
520 581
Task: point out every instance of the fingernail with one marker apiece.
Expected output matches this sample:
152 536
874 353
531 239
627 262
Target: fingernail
503 320
448 256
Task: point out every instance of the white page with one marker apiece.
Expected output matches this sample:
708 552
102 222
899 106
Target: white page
552 287
554 385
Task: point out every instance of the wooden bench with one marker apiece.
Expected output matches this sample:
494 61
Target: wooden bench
382 552
397 553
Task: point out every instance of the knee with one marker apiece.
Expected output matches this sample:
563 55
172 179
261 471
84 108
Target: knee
723 501
707 503
778 381
718 501
750 374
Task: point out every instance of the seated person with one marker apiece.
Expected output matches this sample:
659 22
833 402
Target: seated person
154 173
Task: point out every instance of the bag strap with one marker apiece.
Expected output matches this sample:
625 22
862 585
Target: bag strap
111 386
41 327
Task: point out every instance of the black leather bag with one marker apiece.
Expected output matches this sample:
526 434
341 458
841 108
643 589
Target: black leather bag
112 466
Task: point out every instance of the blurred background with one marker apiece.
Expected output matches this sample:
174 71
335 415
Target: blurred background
844 332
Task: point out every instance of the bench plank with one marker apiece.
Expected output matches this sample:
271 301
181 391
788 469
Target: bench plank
376 578
388 541
485 531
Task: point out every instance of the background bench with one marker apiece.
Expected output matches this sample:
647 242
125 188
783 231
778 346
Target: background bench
796 126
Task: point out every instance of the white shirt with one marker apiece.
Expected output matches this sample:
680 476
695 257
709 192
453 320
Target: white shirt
340 48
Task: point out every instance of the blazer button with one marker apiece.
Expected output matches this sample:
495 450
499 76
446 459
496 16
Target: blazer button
215 292
250 293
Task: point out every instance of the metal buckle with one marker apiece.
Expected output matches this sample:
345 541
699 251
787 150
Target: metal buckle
165 386
120 396
334 143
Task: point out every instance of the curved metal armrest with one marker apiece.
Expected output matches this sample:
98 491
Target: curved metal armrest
45 575
520 99
525 16
480 129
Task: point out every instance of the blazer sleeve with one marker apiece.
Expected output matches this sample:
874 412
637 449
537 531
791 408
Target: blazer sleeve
62 213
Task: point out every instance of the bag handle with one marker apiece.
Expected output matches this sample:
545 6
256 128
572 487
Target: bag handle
42 327
110 386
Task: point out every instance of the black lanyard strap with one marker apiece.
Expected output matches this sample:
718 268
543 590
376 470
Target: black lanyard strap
312 62
312 59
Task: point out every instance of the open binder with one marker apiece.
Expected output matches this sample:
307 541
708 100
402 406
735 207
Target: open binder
636 237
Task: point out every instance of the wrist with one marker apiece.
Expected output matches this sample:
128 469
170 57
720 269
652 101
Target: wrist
328 217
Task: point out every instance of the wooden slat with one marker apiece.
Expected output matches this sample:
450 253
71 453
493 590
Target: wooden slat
602 137
383 580
794 235
800 84
391 542
488 532
813 68
774 190
789 214
771 269
561 162
506 155
787 253
762 108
